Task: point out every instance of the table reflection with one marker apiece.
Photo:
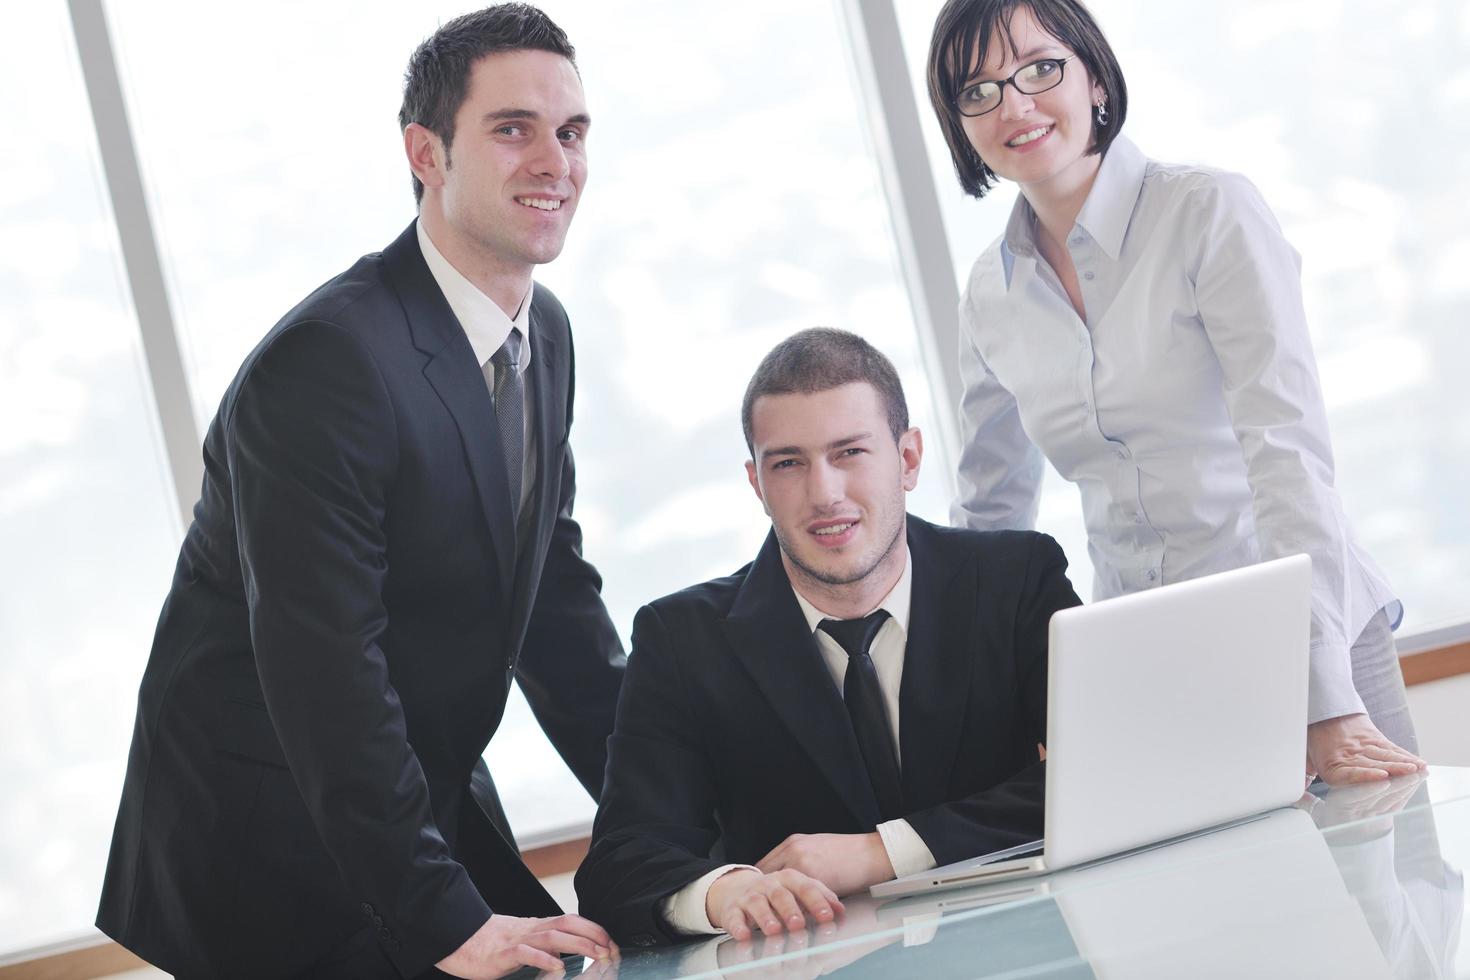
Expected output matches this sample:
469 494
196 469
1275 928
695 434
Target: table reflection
1351 882
1384 841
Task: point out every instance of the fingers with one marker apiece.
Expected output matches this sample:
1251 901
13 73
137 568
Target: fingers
758 907
818 899
786 906
585 928
794 895
1388 758
777 903
1356 735
1389 768
1343 775
527 955
1388 752
1352 750
733 921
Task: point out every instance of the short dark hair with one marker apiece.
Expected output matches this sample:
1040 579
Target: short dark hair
437 78
820 359
965 26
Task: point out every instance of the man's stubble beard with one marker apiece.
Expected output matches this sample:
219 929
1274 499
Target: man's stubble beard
827 578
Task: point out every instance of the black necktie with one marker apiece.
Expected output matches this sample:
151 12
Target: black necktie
865 707
510 412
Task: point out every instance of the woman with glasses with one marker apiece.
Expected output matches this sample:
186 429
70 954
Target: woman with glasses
1141 325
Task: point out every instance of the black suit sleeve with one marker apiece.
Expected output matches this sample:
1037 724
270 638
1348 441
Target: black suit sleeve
311 448
1011 812
572 665
656 826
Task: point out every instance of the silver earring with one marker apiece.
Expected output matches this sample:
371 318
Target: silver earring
1102 112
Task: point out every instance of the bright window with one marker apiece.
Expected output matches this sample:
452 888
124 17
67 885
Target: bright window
87 522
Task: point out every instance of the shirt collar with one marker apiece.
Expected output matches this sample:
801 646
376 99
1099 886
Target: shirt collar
483 321
1105 214
896 601
1109 205
1020 233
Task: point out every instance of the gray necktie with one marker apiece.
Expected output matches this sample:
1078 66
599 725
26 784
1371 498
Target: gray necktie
510 412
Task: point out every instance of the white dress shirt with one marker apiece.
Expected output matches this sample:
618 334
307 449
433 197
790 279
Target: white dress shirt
487 326
685 909
1186 408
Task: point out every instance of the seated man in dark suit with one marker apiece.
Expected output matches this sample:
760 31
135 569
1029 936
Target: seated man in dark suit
865 699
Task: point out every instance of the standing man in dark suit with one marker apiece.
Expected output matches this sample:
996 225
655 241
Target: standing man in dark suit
865 699
384 541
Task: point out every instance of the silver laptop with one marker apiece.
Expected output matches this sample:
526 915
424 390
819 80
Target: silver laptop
1169 712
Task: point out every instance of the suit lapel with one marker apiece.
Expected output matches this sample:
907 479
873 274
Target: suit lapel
548 402
936 666
454 374
771 638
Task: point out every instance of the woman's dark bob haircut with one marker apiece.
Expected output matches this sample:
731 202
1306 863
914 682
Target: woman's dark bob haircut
965 27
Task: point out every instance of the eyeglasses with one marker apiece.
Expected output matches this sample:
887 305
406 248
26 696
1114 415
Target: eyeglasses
1035 78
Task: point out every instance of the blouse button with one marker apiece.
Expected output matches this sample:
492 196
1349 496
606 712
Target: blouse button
1089 276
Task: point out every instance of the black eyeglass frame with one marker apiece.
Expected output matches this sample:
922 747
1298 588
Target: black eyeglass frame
1061 64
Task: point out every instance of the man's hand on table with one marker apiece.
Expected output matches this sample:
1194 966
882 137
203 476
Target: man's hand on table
744 900
505 943
819 953
845 863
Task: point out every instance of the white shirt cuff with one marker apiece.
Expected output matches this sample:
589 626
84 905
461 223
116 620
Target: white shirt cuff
684 911
1330 691
907 851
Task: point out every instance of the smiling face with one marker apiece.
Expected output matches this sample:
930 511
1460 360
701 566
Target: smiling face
831 477
1036 140
501 197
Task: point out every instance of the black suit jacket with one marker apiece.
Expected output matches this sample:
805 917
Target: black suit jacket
346 617
731 735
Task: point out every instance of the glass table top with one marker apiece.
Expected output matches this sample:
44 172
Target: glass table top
1361 881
